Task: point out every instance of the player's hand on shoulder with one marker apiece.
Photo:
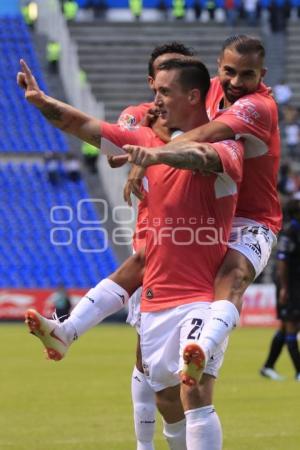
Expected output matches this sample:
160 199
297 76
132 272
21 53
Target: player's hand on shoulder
134 184
27 81
150 118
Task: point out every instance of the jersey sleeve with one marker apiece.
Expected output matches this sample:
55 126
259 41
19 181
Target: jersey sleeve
129 117
121 136
248 115
132 115
231 154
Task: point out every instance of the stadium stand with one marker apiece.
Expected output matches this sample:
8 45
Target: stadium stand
49 234
23 128
34 235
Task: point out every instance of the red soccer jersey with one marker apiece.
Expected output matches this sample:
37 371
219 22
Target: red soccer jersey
143 136
254 117
190 217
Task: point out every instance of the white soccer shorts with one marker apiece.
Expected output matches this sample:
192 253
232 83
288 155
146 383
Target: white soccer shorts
134 310
254 240
164 334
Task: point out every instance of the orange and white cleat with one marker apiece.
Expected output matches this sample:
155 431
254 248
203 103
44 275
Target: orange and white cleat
194 363
50 334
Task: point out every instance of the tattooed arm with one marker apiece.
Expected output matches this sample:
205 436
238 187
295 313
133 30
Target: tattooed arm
187 155
59 114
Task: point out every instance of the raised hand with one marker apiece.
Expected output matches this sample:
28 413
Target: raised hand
26 81
134 184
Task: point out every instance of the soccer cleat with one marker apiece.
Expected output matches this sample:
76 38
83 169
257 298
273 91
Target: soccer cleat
194 364
271 374
48 331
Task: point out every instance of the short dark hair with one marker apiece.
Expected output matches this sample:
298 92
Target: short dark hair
245 45
169 47
193 74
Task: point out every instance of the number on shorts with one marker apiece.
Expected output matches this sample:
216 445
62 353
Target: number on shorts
196 330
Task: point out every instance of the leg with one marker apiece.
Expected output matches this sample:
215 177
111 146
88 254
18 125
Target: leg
203 427
169 405
233 278
292 345
108 297
276 347
143 400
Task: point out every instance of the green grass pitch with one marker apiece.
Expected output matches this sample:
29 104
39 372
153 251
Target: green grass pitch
83 402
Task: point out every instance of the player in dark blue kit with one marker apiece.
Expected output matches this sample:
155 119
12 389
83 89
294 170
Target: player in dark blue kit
288 294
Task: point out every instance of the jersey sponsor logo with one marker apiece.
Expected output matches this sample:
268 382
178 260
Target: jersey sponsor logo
127 122
245 110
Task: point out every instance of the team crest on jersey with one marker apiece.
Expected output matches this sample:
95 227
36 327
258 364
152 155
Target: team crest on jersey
127 122
149 293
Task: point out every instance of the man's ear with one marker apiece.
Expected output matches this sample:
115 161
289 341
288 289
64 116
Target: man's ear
194 96
263 72
150 82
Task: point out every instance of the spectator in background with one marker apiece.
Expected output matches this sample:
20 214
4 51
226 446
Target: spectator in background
178 9
211 8
62 303
72 167
279 13
162 7
292 137
286 183
288 295
250 10
136 7
99 8
30 14
52 166
197 9
53 51
231 11
282 93
70 9
90 156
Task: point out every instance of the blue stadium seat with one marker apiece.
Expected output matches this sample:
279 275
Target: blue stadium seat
23 129
28 257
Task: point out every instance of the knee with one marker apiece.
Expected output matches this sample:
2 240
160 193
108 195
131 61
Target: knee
239 276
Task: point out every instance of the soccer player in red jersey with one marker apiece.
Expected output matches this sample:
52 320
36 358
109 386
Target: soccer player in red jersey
226 158
241 107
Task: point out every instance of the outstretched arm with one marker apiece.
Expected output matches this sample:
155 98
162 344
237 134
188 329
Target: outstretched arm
185 155
61 115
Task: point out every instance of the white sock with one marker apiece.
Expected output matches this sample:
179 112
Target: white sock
203 429
106 298
175 434
144 408
224 317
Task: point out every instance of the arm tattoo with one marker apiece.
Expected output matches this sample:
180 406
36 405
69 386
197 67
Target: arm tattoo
190 160
96 138
52 113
